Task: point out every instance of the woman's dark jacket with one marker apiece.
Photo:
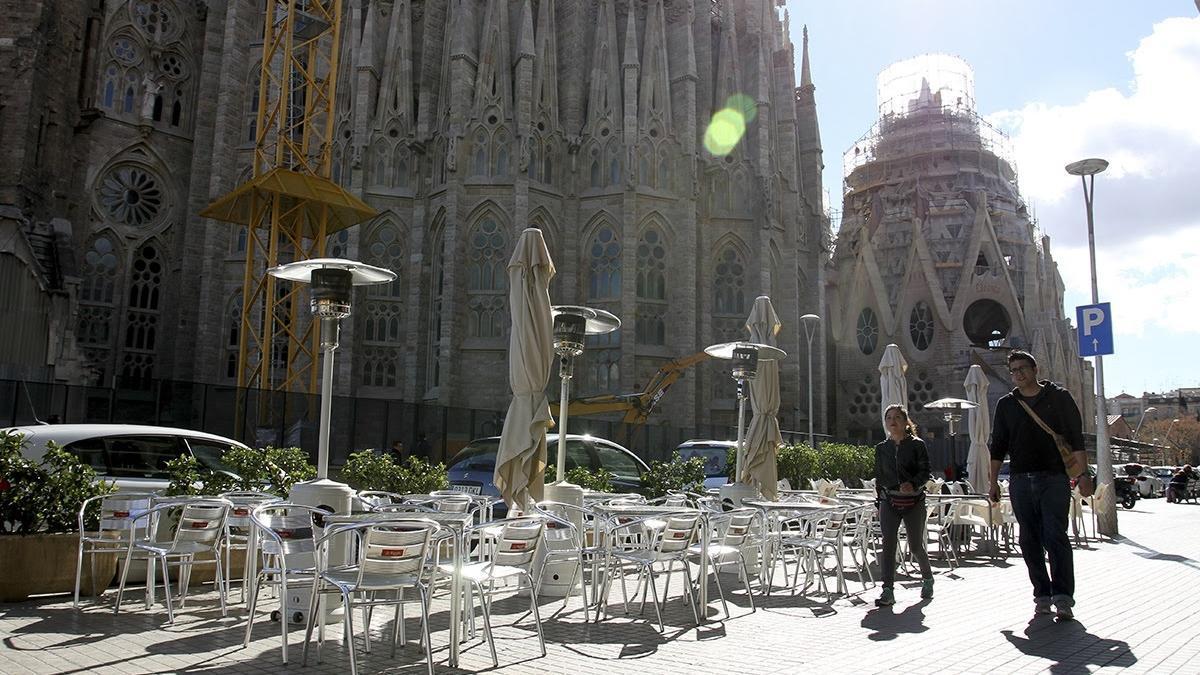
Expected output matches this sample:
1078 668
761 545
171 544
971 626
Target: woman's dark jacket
907 462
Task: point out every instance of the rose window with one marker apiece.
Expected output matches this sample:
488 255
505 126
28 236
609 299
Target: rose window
131 196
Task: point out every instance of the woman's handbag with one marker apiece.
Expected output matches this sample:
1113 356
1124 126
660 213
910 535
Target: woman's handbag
902 501
1075 467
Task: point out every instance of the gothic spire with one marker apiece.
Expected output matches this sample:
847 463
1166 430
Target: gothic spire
545 77
655 92
395 93
493 80
604 94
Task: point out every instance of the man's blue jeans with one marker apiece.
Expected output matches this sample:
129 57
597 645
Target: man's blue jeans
1041 501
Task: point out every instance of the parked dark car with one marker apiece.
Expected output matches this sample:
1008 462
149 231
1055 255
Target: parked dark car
472 469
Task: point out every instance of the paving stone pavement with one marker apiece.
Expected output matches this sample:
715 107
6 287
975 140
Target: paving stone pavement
1136 600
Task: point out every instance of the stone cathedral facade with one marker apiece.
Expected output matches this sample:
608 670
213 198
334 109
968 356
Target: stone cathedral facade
462 122
938 253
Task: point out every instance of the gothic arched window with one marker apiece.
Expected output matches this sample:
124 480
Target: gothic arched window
142 314
604 266
437 287
479 154
383 312
651 288
920 325
233 332
487 279
868 331
97 293
729 283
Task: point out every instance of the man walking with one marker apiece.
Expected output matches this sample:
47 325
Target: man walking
1039 487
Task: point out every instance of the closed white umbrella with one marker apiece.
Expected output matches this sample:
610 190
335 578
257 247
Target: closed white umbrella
763 438
980 426
521 459
893 387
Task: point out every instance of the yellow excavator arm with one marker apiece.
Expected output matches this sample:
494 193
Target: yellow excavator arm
637 407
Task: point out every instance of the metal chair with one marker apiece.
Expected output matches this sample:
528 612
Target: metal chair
735 530
516 545
392 557
668 544
201 529
287 537
567 528
116 531
812 551
237 534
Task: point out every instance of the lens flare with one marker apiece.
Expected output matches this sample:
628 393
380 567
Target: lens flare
724 131
728 125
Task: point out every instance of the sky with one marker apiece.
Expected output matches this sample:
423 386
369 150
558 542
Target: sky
1066 79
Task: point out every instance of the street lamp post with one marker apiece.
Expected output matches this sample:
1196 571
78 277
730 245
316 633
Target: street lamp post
1168 437
810 323
1143 419
1087 169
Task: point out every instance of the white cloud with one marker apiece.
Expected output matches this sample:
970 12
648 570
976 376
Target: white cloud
1150 136
1147 204
1152 283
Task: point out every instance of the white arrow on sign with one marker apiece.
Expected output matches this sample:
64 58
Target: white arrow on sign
1092 317
1095 345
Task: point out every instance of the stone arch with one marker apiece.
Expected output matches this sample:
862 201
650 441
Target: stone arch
488 245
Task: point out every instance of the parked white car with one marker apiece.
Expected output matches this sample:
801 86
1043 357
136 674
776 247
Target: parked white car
132 456
1148 483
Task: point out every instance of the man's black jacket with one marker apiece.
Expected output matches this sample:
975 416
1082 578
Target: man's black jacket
1015 435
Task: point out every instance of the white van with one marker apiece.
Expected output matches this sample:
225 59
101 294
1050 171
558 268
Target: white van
132 456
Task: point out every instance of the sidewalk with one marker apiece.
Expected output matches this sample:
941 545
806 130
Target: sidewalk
1136 602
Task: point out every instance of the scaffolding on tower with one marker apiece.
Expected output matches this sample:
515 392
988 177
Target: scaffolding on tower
289 205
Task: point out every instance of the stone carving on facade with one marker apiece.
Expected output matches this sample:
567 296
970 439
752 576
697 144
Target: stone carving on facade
523 156
452 153
153 88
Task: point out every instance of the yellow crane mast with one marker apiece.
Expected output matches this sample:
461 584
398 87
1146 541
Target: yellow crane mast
289 205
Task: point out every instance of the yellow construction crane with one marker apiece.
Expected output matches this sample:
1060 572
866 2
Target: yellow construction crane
289 205
637 407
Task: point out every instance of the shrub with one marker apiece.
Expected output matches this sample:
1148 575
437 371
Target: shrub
800 463
600 481
369 470
674 476
268 469
45 496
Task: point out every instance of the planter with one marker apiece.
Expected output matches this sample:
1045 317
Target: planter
38 564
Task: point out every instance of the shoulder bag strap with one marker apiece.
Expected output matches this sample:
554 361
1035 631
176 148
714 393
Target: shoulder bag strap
1059 440
1045 427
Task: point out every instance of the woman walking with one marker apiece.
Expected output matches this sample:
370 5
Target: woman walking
901 471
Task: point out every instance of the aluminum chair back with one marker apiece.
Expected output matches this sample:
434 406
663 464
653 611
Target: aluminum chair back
202 522
678 533
117 514
736 528
517 542
287 529
395 549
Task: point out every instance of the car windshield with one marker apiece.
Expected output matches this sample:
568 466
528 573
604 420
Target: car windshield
478 456
714 456
210 453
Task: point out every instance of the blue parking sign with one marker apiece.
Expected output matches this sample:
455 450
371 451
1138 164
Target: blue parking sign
1094 327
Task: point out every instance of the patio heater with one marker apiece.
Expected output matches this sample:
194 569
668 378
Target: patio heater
745 357
952 410
572 325
332 281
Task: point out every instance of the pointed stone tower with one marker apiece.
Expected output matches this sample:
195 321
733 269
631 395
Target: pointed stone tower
938 253
462 122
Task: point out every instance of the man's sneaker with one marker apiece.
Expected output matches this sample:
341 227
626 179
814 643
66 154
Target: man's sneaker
886 599
1063 605
1042 606
927 588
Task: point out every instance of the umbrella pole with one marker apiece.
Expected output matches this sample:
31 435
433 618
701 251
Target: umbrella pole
741 442
565 373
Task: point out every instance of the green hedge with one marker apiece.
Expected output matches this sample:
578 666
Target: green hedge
800 463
